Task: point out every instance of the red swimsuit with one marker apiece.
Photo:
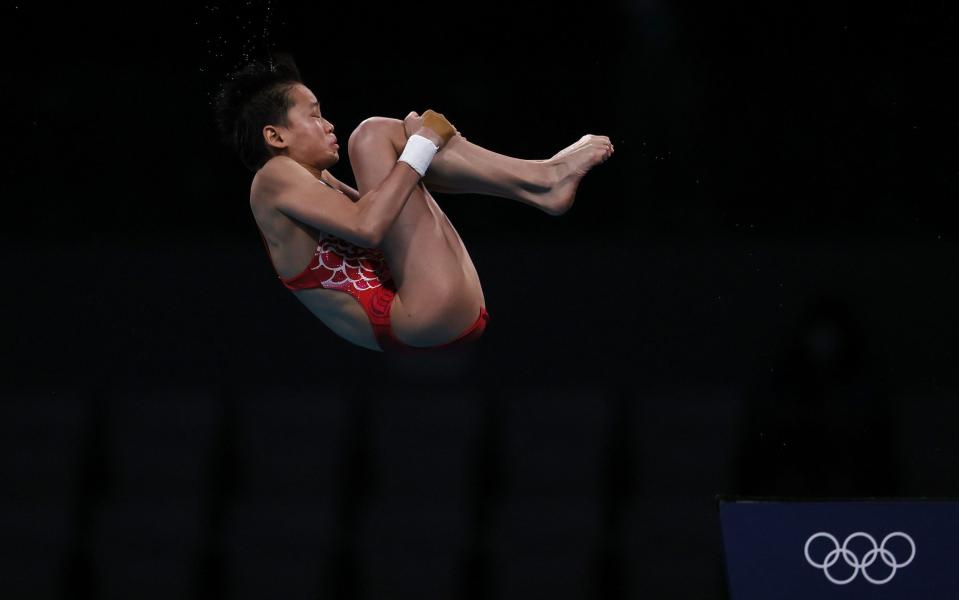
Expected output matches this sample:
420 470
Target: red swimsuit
363 273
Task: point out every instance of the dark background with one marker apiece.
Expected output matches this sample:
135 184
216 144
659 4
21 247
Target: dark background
754 297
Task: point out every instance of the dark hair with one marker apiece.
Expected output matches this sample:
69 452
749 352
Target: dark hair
251 98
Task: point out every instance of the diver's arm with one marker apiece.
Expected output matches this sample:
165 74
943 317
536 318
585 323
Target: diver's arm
295 192
350 192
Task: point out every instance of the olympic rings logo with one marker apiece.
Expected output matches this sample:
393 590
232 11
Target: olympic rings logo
878 551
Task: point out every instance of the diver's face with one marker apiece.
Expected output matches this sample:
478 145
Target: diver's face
309 136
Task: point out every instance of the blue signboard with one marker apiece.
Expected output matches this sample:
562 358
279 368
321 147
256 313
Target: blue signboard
849 549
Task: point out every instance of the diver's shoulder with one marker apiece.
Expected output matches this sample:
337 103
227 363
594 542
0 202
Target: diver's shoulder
278 168
270 179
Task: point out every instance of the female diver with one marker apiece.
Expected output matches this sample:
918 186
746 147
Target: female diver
410 283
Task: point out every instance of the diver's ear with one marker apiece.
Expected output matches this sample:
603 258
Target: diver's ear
273 137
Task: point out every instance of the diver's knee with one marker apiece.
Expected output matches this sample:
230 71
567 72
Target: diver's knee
376 127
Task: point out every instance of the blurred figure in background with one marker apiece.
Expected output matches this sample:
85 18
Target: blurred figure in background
817 425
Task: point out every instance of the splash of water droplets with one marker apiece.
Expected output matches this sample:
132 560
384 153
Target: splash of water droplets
237 31
243 21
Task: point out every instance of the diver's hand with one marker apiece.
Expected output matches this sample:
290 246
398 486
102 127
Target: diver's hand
431 125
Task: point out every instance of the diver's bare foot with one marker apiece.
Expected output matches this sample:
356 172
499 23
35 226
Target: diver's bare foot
570 165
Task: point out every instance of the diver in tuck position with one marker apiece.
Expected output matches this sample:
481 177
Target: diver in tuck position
410 283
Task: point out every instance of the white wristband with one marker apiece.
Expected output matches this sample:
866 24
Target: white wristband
418 153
